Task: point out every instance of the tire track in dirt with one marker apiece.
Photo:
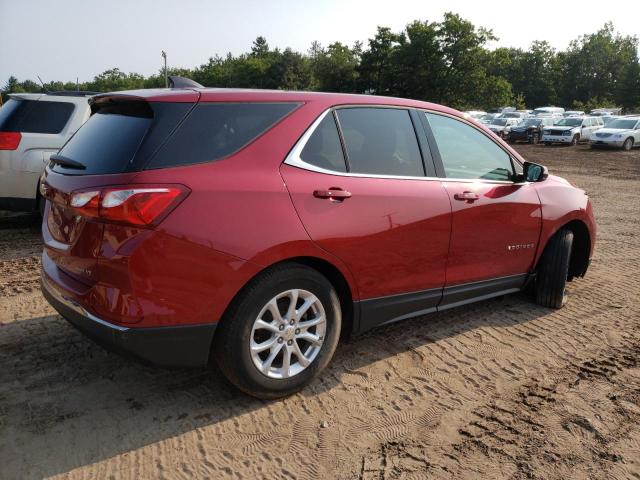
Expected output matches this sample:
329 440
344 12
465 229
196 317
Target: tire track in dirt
21 275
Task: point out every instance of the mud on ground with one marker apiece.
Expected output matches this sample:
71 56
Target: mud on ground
500 389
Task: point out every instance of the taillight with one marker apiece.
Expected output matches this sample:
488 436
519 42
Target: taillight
139 205
10 140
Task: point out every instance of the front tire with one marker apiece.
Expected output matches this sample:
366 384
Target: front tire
575 140
553 269
628 144
280 332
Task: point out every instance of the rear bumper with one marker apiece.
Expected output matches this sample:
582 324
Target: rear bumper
175 346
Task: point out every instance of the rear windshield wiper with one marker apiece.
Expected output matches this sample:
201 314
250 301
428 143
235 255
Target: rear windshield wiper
66 162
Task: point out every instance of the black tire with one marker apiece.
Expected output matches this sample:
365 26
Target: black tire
41 204
548 144
535 138
628 144
575 140
551 278
232 339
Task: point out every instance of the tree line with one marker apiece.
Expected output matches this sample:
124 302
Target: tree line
445 62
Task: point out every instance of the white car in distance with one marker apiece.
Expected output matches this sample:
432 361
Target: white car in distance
571 130
33 126
623 132
502 126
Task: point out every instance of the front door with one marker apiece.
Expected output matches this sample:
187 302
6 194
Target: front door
496 223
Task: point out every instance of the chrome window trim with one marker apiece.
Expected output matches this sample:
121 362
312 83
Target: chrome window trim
293 158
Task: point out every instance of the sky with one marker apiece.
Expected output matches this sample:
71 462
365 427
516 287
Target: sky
65 39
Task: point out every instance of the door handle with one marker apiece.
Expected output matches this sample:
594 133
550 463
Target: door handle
332 193
466 197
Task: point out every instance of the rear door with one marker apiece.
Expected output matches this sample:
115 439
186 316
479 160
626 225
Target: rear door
367 201
495 222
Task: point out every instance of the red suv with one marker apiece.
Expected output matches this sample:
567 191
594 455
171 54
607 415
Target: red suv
253 228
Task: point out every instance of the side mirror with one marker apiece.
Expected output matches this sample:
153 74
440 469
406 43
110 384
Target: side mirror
532 172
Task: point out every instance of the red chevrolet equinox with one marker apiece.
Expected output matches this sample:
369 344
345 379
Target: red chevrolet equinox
255 228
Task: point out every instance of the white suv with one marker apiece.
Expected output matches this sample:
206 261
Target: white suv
572 130
33 126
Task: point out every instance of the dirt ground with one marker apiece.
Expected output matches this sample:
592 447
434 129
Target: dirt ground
500 389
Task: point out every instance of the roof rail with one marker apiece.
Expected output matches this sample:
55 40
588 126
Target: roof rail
182 82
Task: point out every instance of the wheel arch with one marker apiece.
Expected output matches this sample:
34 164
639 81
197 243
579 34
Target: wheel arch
331 272
580 250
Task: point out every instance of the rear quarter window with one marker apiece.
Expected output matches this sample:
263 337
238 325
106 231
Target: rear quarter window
216 130
33 116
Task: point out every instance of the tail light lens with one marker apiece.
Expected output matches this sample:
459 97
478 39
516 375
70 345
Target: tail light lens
10 140
139 205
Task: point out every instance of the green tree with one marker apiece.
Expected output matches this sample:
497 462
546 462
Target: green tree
335 69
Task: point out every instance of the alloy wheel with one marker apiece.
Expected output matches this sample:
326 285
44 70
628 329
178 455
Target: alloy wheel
288 334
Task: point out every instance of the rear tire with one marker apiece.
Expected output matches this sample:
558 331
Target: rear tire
553 269
628 144
237 337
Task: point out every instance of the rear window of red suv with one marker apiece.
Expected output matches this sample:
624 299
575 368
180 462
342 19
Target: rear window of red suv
133 135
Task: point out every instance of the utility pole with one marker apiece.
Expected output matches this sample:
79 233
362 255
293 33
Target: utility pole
166 79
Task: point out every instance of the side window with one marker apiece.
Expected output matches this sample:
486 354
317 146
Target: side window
380 141
467 152
323 148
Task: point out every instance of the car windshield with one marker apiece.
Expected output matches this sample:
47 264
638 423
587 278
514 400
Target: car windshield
499 121
622 124
488 116
530 122
570 122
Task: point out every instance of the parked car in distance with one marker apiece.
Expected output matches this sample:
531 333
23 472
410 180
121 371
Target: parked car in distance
571 130
529 130
254 228
502 110
605 112
518 115
548 111
573 113
475 113
487 118
501 126
32 127
623 132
